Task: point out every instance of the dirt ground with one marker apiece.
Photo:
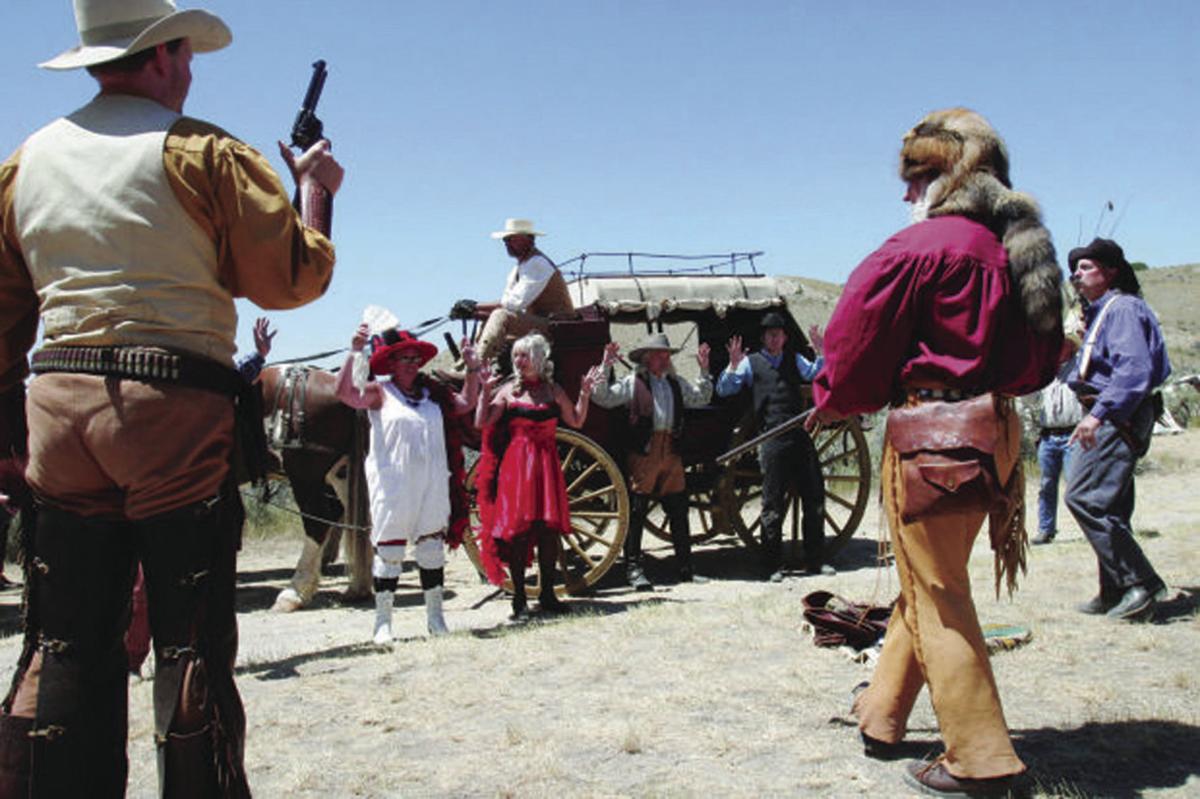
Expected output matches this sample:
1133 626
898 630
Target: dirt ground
693 690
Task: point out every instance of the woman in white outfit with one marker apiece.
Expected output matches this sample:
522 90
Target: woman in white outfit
414 466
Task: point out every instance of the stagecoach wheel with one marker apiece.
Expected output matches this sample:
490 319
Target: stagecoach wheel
845 464
599 516
701 503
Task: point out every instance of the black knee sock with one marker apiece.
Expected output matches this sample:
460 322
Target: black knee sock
432 578
385 584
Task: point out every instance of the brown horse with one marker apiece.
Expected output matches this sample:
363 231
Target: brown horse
321 442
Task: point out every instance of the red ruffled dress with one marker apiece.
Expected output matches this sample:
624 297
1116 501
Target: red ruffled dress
520 483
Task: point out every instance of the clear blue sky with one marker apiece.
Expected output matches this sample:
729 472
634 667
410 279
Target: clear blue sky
687 126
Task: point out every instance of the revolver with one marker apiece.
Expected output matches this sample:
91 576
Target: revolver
307 130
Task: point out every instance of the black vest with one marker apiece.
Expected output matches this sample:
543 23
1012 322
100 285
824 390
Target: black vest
777 396
641 411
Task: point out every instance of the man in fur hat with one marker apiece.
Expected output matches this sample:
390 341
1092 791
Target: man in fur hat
951 317
1123 361
656 398
127 230
775 375
534 292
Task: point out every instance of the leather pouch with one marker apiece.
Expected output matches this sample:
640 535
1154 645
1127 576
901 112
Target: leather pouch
840 622
946 454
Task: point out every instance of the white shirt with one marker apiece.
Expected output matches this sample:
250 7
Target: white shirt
525 283
406 468
695 393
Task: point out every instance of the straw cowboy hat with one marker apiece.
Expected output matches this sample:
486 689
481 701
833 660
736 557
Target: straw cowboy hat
395 340
517 227
113 29
655 341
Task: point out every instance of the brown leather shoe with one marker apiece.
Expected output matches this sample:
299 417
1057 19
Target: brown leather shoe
932 779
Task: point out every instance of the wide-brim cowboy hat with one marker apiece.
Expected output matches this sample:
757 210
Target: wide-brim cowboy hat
517 227
113 29
651 343
394 340
1110 254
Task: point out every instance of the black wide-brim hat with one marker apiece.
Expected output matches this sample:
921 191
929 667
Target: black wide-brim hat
1110 254
773 319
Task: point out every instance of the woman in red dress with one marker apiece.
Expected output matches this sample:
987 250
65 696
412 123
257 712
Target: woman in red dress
521 491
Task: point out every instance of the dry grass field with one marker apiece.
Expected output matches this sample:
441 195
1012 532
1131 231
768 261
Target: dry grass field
699 689
710 689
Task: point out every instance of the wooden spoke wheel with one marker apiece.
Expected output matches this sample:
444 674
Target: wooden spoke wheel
845 466
702 501
599 517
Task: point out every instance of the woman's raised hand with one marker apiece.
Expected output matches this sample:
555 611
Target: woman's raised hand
611 350
591 379
359 340
469 355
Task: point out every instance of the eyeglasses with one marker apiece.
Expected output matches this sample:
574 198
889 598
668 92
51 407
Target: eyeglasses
407 359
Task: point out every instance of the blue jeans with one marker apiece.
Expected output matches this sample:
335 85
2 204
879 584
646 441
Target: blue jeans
1053 457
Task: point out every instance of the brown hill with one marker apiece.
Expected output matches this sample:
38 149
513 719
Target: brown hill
1172 291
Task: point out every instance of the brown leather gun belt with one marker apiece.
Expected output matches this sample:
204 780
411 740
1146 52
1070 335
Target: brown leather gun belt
140 363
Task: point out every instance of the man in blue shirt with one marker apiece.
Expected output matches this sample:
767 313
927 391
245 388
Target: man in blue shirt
250 366
1122 361
774 375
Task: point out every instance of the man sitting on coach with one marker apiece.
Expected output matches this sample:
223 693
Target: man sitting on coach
535 292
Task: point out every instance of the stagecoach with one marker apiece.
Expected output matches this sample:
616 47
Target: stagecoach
693 302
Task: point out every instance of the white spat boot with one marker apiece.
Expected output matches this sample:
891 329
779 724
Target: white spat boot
383 617
435 621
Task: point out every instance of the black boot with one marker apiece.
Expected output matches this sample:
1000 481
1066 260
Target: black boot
516 571
189 557
638 503
772 549
676 506
547 566
813 528
15 755
79 588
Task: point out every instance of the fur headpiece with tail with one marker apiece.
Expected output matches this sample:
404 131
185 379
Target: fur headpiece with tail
968 162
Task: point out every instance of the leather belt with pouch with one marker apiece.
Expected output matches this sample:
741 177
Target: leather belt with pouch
947 456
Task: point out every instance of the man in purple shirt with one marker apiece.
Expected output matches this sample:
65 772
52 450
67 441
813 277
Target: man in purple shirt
1123 360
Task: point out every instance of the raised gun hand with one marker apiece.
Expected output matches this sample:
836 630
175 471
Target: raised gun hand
308 129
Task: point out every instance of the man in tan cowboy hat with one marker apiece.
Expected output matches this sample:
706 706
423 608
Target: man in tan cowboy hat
656 398
955 314
127 230
534 293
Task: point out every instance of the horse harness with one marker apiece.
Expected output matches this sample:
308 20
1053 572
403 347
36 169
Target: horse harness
287 420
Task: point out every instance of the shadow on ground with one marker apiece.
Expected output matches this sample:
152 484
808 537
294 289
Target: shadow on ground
286 668
579 608
1184 605
858 553
1120 759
